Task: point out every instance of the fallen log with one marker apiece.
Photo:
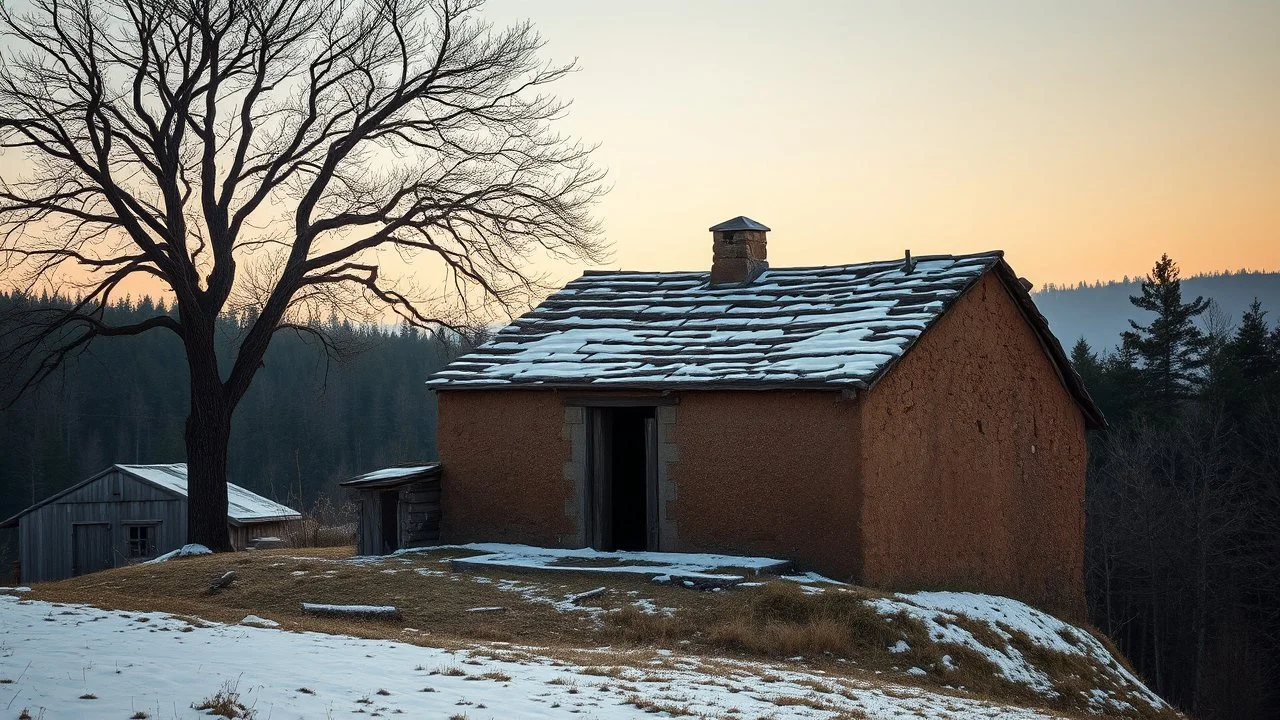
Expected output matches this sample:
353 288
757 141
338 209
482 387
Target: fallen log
368 612
579 597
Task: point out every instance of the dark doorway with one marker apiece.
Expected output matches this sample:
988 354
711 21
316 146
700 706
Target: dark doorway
390 510
623 484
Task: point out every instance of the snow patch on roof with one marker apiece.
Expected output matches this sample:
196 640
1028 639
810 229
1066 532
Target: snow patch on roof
242 505
839 326
395 472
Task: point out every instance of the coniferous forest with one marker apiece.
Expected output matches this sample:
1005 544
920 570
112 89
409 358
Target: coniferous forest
309 420
1183 501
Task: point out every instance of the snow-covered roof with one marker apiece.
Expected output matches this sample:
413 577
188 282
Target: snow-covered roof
392 476
817 326
243 506
838 326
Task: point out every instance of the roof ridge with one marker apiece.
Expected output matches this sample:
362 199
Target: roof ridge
994 254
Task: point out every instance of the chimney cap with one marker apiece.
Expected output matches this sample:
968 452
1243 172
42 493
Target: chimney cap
742 222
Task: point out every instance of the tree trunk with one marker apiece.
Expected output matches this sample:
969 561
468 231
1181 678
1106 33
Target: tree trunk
208 435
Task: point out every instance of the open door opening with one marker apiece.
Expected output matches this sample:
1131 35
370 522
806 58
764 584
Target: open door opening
623 487
389 501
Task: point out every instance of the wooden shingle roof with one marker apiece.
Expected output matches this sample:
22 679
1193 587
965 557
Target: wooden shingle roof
838 327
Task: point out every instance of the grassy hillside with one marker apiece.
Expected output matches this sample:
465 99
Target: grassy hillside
849 643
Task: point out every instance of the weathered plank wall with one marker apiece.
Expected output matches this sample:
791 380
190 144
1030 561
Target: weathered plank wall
420 513
418 516
367 537
243 536
45 534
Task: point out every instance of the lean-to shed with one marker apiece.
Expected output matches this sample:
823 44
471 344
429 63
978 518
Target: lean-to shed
399 508
127 514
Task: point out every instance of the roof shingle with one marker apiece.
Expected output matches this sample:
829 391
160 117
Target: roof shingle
837 326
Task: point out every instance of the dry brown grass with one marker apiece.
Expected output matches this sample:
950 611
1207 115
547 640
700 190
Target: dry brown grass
783 621
226 704
658 706
325 523
777 620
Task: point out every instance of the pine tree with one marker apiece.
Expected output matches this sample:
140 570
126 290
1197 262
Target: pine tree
1172 350
1087 364
1252 349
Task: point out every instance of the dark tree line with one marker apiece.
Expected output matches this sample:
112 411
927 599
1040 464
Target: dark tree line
1183 503
306 423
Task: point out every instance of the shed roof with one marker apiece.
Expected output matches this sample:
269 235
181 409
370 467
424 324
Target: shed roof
838 327
243 507
392 476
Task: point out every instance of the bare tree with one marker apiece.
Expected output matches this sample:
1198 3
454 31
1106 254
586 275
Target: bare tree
273 155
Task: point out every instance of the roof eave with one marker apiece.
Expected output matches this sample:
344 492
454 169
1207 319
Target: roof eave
241 522
663 387
360 481
1094 419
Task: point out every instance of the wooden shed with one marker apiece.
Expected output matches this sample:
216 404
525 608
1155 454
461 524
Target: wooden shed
399 508
127 514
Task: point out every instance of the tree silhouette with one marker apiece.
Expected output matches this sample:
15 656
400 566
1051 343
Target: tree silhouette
1171 348
273 154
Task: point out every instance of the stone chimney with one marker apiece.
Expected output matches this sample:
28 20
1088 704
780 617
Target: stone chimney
738 251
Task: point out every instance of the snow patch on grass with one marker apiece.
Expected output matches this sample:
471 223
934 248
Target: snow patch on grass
128 665
944 615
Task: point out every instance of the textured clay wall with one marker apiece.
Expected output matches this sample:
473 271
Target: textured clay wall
768 473
974 462
503 455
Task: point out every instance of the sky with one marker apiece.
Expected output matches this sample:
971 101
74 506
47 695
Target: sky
1083 138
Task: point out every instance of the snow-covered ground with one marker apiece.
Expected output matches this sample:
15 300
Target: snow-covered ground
62 661
940 611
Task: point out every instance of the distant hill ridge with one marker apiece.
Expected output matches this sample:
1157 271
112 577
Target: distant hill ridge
1101 311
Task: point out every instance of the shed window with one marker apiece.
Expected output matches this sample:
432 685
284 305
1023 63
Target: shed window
142 541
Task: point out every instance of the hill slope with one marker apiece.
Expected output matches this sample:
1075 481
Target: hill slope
526 643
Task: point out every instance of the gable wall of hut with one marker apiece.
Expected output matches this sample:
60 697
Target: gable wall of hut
973 467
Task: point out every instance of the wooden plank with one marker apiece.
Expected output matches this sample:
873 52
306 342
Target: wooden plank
651 482
602 479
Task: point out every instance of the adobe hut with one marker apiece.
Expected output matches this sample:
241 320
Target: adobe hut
910 423
399 508
126 514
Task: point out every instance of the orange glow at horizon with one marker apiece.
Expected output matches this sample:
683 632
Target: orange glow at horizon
1084 139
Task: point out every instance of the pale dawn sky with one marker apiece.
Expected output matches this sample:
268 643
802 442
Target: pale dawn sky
1084 138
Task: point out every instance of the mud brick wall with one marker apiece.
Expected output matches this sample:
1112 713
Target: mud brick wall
973 464
503 454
